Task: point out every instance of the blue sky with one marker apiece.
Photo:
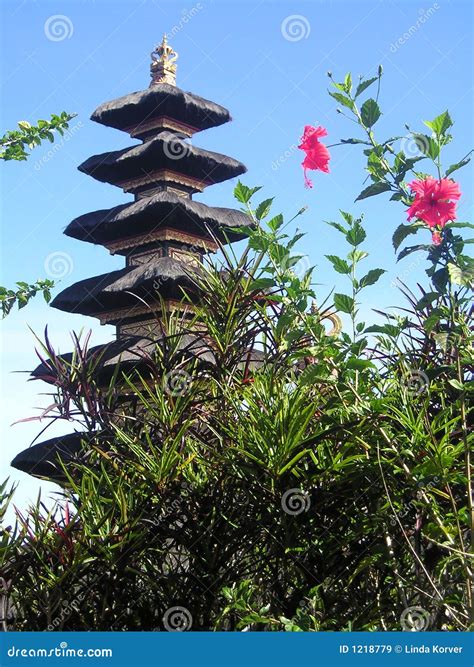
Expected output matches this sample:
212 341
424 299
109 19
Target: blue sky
265 61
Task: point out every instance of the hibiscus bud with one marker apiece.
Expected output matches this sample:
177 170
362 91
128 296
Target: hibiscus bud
380 70
436 238
338 110
330 74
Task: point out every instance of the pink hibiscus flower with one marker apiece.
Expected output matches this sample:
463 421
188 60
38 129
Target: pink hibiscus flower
317 155
434 203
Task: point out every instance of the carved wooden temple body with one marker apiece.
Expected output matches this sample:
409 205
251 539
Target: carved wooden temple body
162 233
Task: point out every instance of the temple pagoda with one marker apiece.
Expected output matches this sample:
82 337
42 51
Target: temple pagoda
162 233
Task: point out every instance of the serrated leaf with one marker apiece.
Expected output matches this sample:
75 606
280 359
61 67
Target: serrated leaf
339 264
337 225
363 85
374 189
460 276
370 112
343 303
358 364
401 233
276 222
354 141
342 99
388 329
348 83
414 248
441 124
243 193
457 165
371 277
263 208
356 234
426 145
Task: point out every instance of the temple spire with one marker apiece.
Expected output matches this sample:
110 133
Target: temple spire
163 64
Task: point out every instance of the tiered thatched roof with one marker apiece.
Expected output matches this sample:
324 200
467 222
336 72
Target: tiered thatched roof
161 100
164 209
126 287
164 152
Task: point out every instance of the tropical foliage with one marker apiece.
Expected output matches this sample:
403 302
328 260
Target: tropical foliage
285 477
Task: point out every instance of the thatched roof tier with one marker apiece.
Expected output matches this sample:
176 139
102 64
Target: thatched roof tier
163 159
43 460
131 353
151 214
126 288
136 112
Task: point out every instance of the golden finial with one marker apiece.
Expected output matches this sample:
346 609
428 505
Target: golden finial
163 64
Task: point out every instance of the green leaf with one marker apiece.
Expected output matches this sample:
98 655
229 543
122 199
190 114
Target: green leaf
243 193
261 284
426 145
414 248
374 189
342 99
263 208
24 124
348 83
441 124
426 300
363 85
460 276
401 233
356 234
343 303
440 279
370 112
371 277
388 329
358 364
354 141
457 165
456 384
340 265
276 222
338 226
